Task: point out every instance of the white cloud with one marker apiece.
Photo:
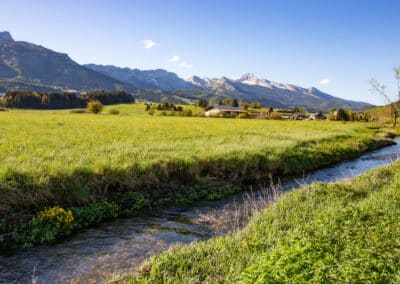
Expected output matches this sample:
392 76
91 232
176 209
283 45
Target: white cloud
177 60
148 43
174 58
185 65
325 81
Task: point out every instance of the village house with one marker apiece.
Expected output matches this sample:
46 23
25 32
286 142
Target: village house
222 110
317 116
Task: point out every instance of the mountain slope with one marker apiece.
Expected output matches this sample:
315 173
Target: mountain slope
251 88
145 79
30 64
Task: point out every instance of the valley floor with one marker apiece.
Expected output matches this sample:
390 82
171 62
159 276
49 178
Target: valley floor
110 165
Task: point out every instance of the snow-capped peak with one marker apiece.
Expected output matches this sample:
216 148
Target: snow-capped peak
197 81
249 77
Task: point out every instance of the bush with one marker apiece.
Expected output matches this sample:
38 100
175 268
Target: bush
275 115
95 107
187 112
94 213
137 200
163 113
255 105
113 111
151 111
225 115
130 202
3 109
243 115
51 224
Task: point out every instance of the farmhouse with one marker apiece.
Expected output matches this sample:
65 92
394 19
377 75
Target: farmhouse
317 116
220 110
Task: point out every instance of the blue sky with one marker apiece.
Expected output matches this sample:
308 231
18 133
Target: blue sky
334 45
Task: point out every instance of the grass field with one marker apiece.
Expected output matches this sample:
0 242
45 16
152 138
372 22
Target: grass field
59 158
343 232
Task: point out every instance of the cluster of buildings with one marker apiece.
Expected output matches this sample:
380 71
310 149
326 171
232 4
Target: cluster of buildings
229 111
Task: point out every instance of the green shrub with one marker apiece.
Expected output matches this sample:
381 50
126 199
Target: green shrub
50 224
137 200
163 113
225 115
151 111
113 111
95 107
275 115
94 213
187 112
243 115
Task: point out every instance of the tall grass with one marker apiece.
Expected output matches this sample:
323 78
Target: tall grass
344 232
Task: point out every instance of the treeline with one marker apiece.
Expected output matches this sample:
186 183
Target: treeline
242 104
36 100
230 102
348 115
164 106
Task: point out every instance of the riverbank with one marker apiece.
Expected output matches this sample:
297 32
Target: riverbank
100 167
338 232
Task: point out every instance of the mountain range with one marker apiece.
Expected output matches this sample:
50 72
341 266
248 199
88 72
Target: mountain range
27 66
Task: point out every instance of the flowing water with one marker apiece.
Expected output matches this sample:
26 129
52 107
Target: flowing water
95 254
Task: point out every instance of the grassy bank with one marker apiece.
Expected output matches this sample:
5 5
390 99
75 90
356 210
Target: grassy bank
344 232
135 160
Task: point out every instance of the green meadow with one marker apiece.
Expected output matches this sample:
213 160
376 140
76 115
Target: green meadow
137 160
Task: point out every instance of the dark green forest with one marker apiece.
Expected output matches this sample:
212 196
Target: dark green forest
37 100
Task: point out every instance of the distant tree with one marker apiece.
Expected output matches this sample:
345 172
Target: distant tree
342 115
393 105
95 107
297 109
109 97
350 115
203 103
234 103
225 102
255 105
244 105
